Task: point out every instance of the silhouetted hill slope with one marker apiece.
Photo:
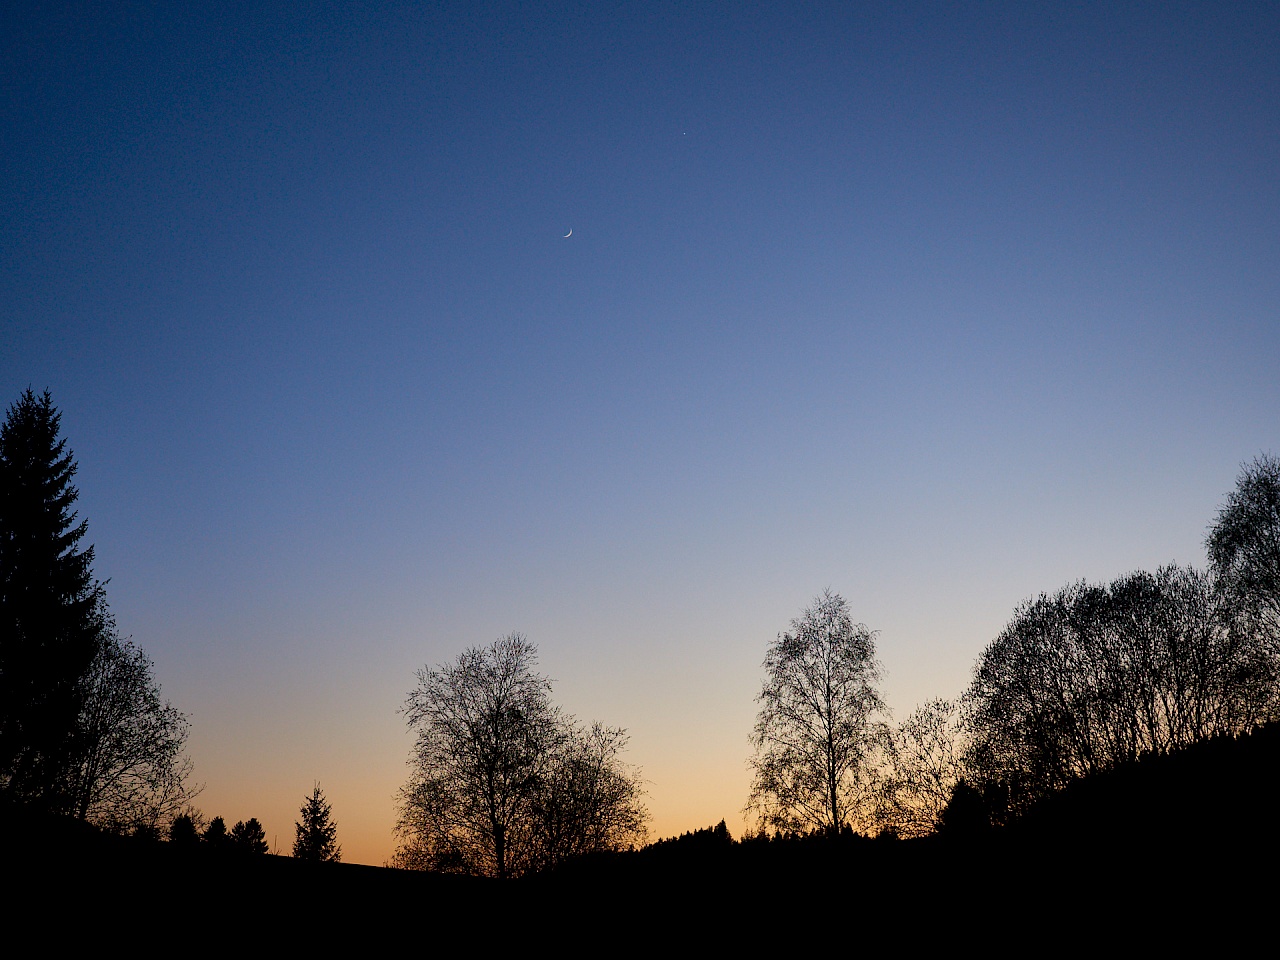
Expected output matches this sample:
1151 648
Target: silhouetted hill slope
1173 850
1212 797
89 886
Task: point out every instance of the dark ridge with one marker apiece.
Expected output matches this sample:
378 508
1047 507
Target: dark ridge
1172 849
1211 796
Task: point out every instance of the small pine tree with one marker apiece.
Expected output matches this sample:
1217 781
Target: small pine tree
316 832
183 831
215 835
249 837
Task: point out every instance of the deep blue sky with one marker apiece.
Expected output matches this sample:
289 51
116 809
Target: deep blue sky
937 305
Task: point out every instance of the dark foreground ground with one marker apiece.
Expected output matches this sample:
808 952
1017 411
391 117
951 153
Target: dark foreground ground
1178 853
81 890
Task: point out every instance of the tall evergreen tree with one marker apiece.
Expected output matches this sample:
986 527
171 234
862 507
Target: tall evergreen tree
51 607
317 834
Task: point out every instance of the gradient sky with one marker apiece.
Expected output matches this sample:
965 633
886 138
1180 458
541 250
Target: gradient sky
936 305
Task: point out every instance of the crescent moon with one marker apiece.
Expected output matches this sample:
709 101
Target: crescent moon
569 234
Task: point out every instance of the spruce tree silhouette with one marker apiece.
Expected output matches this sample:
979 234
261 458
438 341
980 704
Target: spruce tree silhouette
216 836
247 836
50 606
183 831
316 833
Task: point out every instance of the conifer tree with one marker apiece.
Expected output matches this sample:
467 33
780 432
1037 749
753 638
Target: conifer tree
83 728
249 837
215 835
51 607
317 834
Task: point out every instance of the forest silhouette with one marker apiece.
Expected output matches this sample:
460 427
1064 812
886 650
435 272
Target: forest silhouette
1116 747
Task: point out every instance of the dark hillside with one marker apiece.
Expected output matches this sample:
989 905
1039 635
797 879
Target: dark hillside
1172 849
1210 798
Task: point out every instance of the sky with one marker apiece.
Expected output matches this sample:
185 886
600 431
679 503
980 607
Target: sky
938 306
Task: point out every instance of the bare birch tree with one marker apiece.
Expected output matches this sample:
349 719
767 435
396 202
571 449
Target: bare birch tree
818 739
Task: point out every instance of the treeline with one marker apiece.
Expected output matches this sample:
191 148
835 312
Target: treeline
247 836
1084 680
1166 847
1095 677
315 832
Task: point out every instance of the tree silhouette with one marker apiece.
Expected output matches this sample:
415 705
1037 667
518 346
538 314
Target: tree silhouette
130 771
588 801
1244 549
965 815
183 830
249 837
83 729
1094 676
483 725
926 759
503 782
817 737
316 833
50 606
215 835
